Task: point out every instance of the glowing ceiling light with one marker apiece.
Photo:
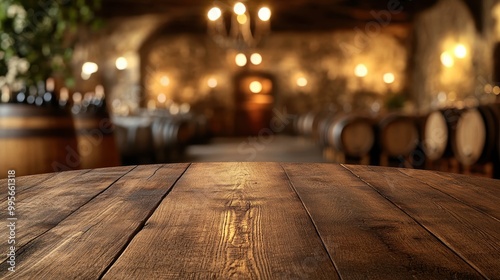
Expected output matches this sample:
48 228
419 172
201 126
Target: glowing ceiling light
256 59
264 14
389 78
255 87
164 81
360 70
447 60
242 19
239 8
460 51
214 14
241 60
121 63
89 68
212 83
302 82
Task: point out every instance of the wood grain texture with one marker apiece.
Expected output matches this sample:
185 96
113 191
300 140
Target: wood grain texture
457 187
227 221
84 244
470 233
366 235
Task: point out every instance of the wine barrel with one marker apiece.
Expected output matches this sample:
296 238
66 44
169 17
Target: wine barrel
475 137
170 136
434 135
134 139
351 134
398 135
36 140
96 141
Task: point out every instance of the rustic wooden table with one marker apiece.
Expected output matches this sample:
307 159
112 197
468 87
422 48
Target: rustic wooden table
254 221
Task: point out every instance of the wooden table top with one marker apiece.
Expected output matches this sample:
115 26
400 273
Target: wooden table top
254 221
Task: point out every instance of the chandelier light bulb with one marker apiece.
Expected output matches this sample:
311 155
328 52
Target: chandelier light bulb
255 87
214 14
256 59
241 60
239 8
460 51
361 70
264 14
447 60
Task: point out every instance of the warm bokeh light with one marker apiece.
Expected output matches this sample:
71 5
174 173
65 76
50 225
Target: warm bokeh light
164 81
212 83
496 90
256 59
121 63
360 70
255 87
77 97
302 82
214 14
488 88
460 51
389 78
162 98
442 96
99 91
242 19
239 8
63 94
89 68
184 108
452 96
174 109
447 60
241 60
264 13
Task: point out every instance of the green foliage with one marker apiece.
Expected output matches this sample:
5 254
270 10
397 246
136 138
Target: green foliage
37 36
395 101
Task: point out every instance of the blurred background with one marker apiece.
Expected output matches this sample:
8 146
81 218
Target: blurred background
89 84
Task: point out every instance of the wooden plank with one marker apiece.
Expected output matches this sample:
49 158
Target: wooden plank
457 187
36 209
471 234
366 235
85 243
227 221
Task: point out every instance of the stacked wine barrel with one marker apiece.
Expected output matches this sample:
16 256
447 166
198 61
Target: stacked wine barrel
159 137
455 140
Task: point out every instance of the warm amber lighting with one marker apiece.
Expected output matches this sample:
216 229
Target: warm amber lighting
239 8
151 105
5 94
256 59
255 87
360 70
161 98
89 68
302 82
77 98
63 94
460 51
214 14
184 108
121 63
389 78
242 19
212 83
264 14
99 91
447 60
442 97
241 60
452 96
164 81
488 88
174 109
496 90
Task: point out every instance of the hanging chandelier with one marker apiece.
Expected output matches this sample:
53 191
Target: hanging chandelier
232 27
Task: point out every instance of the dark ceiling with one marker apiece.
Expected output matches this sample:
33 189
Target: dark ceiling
288 15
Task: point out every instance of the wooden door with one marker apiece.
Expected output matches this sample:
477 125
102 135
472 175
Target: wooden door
254 97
